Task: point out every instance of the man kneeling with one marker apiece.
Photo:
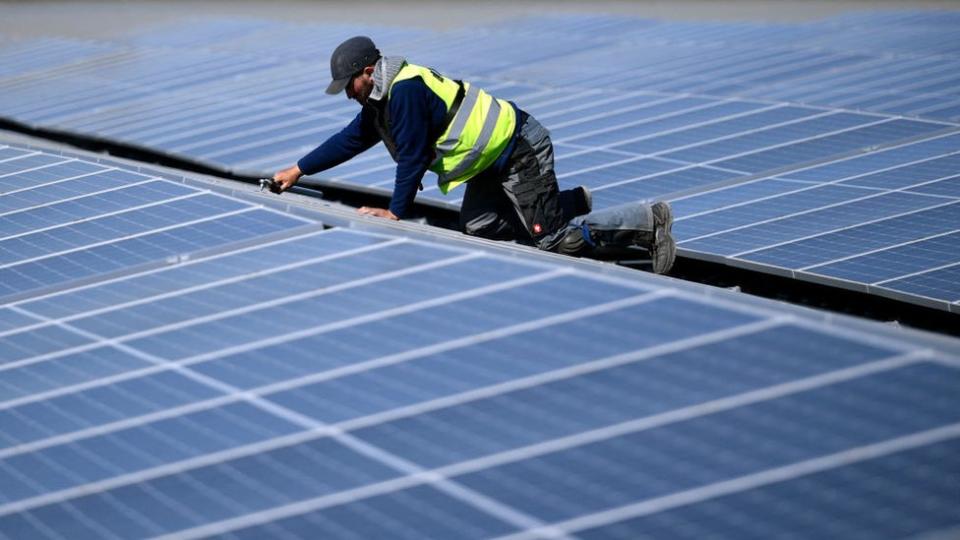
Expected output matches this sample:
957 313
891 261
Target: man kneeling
466 136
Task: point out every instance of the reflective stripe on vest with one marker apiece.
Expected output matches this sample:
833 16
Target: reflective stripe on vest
477 135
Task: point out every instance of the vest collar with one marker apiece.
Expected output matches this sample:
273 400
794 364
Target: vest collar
384 72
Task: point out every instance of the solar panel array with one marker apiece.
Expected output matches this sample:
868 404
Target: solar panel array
769 138
181 361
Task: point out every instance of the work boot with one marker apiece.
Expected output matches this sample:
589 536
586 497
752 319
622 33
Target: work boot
663 250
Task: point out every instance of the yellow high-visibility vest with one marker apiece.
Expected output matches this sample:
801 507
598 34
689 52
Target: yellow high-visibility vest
477 134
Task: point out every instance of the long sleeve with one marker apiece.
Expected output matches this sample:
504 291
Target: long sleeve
416 117
359 135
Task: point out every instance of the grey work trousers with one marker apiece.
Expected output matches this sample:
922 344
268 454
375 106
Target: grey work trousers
526 205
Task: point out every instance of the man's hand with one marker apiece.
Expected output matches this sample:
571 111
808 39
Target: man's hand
285 179
377 212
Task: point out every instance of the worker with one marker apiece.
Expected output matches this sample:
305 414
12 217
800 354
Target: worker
466 136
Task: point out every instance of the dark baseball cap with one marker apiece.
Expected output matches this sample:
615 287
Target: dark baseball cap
349 59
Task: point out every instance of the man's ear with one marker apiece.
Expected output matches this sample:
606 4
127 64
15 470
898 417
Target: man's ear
368 70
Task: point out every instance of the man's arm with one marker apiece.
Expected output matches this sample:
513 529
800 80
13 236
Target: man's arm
415 116
357 137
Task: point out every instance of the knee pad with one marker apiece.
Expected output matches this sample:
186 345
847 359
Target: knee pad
573 243
477 224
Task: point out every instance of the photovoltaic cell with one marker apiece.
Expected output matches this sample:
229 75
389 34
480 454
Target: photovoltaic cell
703 108
528 484
785 509
891 263
177 361
938 283
349 382
880 222
22 56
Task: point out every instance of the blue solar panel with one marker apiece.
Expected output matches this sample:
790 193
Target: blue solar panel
762 436
897 511
942 283
713 130
878 161
867 213
896 261
802 198
738 241
910 175
22 56
659 186
881 234
694 106
350 382
67 219
948 187
816 149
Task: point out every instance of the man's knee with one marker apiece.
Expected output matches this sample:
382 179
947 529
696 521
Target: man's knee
471 228
573 243
486 225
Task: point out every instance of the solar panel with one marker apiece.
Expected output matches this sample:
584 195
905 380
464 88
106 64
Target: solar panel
383 380
685 111
896 208
23 56
66 219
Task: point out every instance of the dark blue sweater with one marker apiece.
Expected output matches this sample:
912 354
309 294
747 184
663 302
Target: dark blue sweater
417 117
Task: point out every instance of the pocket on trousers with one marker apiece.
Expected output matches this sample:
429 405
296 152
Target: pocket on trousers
538 199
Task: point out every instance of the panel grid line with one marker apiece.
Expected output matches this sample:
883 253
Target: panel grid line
57 181
78 197
580 439
685 127
841 159
900 99
631 123
208 285
185 263
914 82
151 204
136 398
709 122
374 317
659 101
585 104
325 375
948 201
469 496
253 307
702 142
687 413
809 186
560 374
474 339
130 237
839 229
333 373
743 483
880 249
243 112
111 427
935 108
774 146
331 124
30 154
320 122
917 273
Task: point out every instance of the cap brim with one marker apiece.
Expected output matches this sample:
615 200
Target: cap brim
338 85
